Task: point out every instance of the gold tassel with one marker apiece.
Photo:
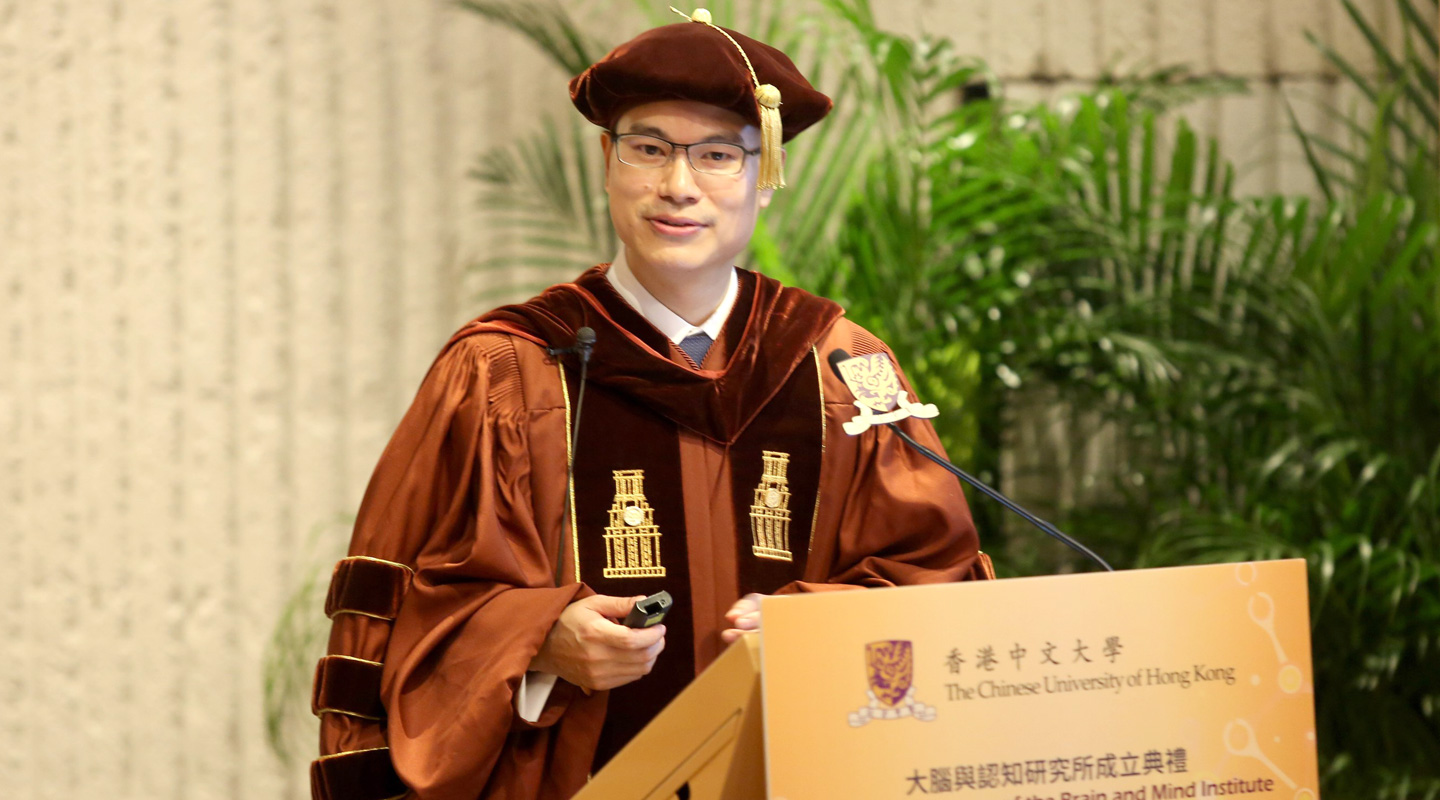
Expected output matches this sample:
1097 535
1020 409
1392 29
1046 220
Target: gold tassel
772 161
767 102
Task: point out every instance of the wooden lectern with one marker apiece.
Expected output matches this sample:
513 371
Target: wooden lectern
1151 684
708 743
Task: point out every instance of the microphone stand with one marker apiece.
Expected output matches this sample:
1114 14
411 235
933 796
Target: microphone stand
1049 529
839 355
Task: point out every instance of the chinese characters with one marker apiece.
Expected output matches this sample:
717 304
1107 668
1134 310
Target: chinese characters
1047 771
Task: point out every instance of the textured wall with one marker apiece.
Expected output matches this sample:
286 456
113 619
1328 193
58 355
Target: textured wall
1048 47
232 236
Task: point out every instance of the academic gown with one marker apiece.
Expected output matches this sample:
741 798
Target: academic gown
470 497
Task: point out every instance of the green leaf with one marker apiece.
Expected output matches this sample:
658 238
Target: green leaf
547 25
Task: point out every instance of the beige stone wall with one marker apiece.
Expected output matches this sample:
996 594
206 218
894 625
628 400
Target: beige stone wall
231 239
232 235
1047 48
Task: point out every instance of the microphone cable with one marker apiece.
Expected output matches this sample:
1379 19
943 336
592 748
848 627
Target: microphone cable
584 343
838 354
1054 532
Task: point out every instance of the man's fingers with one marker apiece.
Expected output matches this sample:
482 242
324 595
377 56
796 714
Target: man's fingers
589 649
743 617
618 637
632 654
626 666
643 638
749 604
747 622
610 606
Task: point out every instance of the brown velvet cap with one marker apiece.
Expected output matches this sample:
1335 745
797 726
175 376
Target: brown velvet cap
692 61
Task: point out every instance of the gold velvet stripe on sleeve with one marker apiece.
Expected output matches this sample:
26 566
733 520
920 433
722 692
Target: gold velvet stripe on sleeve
367 586
347 685
356 775
983 569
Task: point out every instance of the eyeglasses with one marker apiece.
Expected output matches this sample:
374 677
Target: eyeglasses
652 152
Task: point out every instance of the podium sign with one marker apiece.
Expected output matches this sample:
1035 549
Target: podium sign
1140 685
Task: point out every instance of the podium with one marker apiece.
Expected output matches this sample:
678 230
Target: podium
706 744
1141 685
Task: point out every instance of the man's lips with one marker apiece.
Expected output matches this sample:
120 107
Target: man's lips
675 226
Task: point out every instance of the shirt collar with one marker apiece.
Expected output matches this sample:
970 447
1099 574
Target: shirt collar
655 312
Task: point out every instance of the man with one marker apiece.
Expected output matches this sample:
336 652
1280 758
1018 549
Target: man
476 648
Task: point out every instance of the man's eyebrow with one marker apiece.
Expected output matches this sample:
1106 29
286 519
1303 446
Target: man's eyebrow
651 130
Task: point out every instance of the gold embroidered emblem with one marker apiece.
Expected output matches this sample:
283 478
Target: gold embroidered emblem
770 512
632 539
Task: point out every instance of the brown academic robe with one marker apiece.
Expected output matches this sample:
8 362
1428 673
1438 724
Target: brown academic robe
469 494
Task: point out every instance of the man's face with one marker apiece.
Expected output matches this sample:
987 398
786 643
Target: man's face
673 220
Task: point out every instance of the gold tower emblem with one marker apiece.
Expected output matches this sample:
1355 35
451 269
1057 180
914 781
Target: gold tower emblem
770 512
632 539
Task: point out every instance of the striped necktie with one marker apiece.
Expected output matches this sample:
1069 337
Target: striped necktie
696 345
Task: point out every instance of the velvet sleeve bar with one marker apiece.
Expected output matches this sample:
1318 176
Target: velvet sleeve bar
453 498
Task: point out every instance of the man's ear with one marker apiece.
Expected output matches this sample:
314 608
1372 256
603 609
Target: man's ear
605 144
766 195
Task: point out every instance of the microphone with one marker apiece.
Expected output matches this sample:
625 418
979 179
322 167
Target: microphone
584 343
838 355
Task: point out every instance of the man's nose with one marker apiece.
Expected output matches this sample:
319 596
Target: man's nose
677 183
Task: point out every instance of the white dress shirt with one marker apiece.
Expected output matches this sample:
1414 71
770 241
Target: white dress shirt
658 314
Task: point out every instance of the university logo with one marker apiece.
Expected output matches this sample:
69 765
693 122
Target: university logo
876 387
872 380
890 669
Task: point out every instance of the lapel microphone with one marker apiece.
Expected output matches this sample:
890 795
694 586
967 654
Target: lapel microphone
838 355
584 343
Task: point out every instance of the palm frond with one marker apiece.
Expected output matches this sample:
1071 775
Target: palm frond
548 26
544 191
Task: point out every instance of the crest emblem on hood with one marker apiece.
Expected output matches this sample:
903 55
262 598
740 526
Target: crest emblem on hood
876 386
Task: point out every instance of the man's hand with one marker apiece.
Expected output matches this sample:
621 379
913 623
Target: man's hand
587 648
742 617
